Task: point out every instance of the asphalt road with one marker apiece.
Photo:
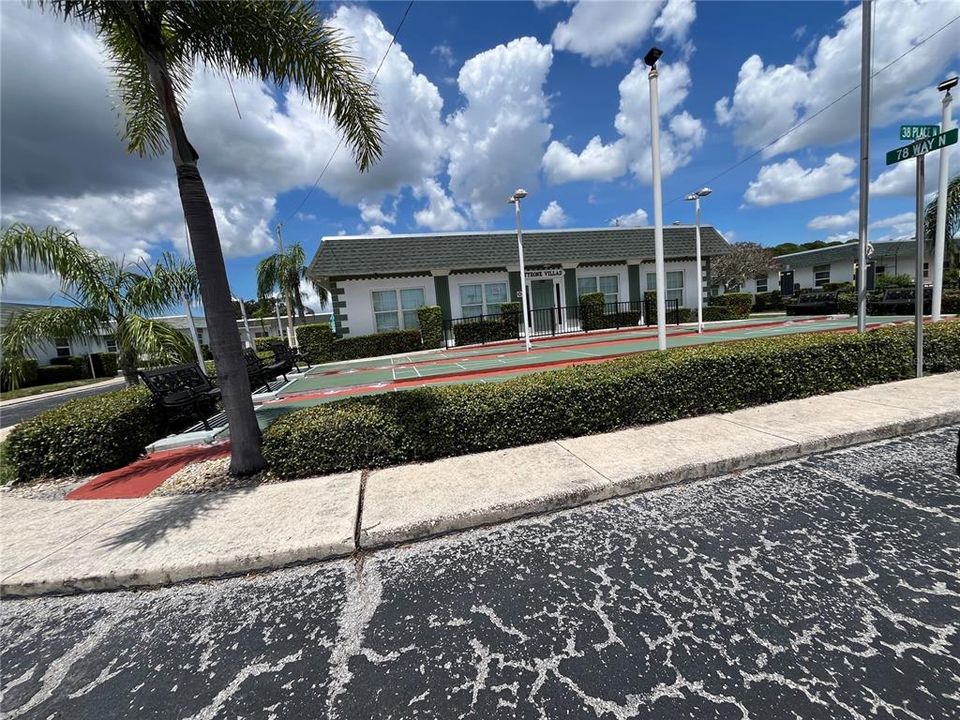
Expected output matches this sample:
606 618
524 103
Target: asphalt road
823 588
13 414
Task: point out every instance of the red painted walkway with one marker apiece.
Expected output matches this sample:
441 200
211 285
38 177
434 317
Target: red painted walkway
142 476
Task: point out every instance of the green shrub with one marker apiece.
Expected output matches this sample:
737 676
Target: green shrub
844 287
474 332
49 374
437 421
740 303
262 344
81 365
210 369
316 342
17 372
105 364
882 282
591 311
847 303
713 313
342 438
385 343
430 318
767 301
951 278
205 351
950 302
85 436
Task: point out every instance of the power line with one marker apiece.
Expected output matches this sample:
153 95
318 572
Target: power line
822 110
383 59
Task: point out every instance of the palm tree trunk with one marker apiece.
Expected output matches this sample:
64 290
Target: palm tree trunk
290 330
245 455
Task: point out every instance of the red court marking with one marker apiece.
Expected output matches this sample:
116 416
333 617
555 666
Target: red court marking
142 476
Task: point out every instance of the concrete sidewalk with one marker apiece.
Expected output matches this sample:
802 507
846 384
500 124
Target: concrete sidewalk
67 392
58 546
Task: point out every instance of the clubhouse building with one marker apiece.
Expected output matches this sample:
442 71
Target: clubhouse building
378 282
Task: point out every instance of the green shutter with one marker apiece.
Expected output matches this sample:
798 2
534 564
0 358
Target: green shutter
633 280
441 286
570 287
514 286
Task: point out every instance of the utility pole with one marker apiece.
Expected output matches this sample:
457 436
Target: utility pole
866 9
918 283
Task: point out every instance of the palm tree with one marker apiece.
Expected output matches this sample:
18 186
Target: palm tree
104 294
284 271
154 46
951 243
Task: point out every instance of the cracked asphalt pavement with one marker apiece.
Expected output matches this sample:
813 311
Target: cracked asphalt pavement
822 588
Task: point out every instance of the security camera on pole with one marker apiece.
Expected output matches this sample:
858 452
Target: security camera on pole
941 231
695 196
515 199
651 58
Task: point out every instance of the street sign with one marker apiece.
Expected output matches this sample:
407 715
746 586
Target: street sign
915 132
922 146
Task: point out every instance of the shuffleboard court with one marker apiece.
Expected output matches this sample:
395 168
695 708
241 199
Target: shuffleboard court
499 362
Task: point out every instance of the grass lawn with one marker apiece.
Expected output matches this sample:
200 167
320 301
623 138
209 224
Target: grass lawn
41 389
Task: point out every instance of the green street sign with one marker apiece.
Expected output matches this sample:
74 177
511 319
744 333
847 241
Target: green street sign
922 146
915 132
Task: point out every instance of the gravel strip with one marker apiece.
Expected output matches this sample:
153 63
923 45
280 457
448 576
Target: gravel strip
45 489
207 476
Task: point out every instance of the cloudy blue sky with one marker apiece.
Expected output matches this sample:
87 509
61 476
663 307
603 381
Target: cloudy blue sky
480 98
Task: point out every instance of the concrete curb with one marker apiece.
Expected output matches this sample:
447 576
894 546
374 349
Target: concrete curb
236 532
59 393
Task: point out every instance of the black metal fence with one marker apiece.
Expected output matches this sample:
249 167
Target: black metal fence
482 329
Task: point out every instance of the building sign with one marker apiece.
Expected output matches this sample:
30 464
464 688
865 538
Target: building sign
535 274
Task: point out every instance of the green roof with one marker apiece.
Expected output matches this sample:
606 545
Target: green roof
363 255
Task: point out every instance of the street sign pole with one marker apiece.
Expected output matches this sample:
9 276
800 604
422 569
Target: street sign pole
866 70
918 283
939 238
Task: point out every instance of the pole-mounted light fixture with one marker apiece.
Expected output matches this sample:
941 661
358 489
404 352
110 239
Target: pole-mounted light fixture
695 197
515 199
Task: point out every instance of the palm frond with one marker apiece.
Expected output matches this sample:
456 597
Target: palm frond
155 342
284 42
269 273
166 284
28 329
51 251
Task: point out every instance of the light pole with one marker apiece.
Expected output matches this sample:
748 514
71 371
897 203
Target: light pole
246 324
695 196
651 58
517 196
939 239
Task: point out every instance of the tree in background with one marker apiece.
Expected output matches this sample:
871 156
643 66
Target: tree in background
104 294
744 261
154 47
951 240
283 272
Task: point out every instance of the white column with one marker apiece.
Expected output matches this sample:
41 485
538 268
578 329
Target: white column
939 239
699 274
523 278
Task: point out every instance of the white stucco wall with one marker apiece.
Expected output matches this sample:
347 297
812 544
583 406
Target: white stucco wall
358 296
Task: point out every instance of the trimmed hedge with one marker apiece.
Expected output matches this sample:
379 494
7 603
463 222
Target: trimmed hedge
85 436
49 374
81 365
262 344
950 302
712 313
767 301
847 303
740 303
430 318
475 332
105 364
25 368
320 345
431 422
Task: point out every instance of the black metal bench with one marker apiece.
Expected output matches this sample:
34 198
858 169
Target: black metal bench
262 373
824 302
182 390
901 300
283 353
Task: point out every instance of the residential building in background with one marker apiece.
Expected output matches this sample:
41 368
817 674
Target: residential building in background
378 282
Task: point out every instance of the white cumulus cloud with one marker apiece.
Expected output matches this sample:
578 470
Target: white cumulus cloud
834 222
441 212
769 99
788 181
553 215
637 218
